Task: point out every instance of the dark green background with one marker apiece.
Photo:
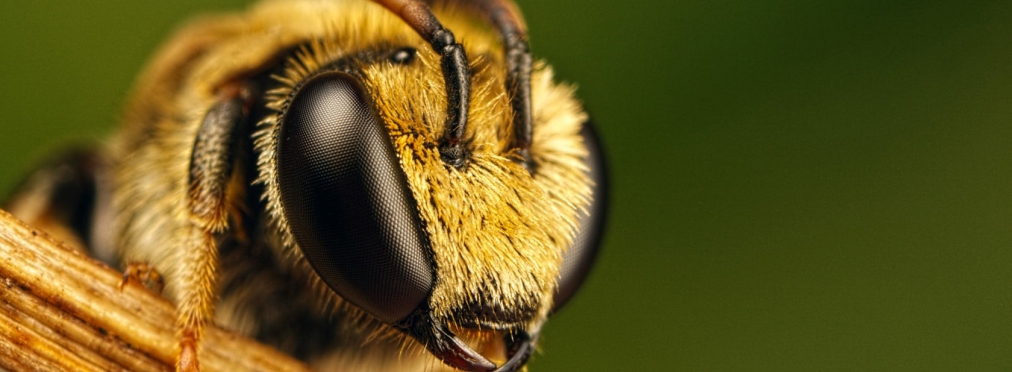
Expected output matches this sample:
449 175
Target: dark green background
798 185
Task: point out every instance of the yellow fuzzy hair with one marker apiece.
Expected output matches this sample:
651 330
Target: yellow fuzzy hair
495 230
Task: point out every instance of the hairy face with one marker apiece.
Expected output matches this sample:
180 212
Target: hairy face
495 232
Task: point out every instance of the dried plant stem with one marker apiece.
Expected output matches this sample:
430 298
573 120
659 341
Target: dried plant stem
61 310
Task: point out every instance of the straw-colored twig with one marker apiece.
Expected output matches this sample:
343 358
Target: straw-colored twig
61 310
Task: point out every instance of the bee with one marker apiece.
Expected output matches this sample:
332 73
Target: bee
351 182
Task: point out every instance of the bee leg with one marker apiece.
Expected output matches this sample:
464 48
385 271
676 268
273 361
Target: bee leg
67 198
210 203
143 273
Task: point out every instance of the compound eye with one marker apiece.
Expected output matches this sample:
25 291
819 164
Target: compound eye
581 255
346 199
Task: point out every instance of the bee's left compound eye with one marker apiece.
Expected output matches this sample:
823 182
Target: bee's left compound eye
346 199
580 257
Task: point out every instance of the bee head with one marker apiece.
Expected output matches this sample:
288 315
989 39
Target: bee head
358 182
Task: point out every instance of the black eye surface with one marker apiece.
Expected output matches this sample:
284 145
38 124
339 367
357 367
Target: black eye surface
581 256
346 199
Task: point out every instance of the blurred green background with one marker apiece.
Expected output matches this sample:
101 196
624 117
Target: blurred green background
798 185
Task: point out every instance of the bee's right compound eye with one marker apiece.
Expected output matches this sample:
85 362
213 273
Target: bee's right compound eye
346 199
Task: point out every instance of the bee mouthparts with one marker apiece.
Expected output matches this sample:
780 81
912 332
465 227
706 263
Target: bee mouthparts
443 344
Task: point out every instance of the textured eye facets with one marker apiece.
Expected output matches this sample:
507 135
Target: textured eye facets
346 199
